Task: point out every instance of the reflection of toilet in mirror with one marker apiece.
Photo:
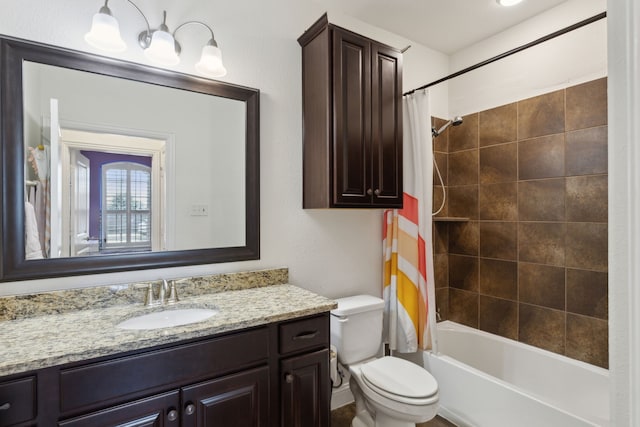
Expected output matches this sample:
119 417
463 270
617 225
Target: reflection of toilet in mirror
388 391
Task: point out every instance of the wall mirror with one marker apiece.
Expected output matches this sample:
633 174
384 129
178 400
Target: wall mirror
112 166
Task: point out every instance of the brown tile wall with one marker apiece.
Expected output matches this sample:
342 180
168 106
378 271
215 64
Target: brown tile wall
531 261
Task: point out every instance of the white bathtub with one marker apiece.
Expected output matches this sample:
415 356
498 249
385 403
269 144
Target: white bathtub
487 380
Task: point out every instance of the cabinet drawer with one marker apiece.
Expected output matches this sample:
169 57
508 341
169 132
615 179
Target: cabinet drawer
304 334
151 411
17 401
126 378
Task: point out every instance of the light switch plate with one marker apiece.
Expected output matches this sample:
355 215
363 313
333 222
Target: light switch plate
199 210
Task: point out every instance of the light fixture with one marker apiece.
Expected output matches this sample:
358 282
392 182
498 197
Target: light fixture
508 2
159 45
105 32
210 63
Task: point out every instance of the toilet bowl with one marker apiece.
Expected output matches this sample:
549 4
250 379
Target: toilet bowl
388 391
398 393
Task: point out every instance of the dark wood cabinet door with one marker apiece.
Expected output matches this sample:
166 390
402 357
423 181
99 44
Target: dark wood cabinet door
157 411
238 400
18 401
305 390
352 119
386 132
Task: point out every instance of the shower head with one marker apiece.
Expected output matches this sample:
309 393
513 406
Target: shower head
456 121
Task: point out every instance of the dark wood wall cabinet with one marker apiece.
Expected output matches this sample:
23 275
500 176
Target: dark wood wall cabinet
352 120
274 375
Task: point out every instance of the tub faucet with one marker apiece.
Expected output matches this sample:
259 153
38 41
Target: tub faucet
438 316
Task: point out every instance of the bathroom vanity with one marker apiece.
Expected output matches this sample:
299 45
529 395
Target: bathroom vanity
263 365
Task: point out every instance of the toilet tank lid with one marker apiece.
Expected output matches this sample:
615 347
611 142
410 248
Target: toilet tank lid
357 304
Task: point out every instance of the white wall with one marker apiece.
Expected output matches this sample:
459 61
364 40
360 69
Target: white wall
567 60
331 252
624 210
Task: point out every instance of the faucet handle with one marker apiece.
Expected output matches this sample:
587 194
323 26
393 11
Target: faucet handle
149 298
173 293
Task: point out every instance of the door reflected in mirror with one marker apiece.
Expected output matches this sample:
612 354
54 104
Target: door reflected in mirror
117 166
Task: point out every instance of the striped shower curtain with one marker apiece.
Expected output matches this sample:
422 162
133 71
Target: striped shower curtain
409 290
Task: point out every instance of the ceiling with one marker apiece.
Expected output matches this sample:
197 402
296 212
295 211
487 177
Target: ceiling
430 22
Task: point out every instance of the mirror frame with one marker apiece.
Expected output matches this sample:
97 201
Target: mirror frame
13 265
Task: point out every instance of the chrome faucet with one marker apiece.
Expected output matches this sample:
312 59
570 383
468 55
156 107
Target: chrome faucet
167 294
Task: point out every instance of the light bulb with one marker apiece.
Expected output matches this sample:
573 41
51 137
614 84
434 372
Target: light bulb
162 49
210 63
105 33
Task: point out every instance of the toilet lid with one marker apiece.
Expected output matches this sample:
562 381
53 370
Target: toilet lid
399 377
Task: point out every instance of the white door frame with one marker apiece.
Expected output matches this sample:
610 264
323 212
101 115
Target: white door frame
79 221
623 27
55 183
121 143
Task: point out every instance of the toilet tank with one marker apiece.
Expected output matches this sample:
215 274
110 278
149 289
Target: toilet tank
356 328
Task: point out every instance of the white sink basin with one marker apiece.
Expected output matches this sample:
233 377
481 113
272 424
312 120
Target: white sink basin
167 318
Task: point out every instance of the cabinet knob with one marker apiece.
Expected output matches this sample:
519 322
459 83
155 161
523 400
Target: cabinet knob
5 406
190 409
377 192
172 415
369 192
289 378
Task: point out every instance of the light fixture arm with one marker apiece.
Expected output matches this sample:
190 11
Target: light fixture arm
194 22
105 9
143 16
144 38
211 42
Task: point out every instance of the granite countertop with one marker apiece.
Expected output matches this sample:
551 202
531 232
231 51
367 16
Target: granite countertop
53 339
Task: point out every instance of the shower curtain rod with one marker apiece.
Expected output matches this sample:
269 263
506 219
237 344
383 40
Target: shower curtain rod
515 50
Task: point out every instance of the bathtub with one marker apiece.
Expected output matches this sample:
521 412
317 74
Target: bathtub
487 380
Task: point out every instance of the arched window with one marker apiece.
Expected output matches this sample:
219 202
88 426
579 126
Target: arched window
126 206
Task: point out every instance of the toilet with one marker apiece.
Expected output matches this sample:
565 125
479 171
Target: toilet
388 391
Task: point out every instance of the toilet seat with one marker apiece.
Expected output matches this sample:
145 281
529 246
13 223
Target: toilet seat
400 381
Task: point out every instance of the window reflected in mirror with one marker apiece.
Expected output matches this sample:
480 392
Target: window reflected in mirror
125 220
